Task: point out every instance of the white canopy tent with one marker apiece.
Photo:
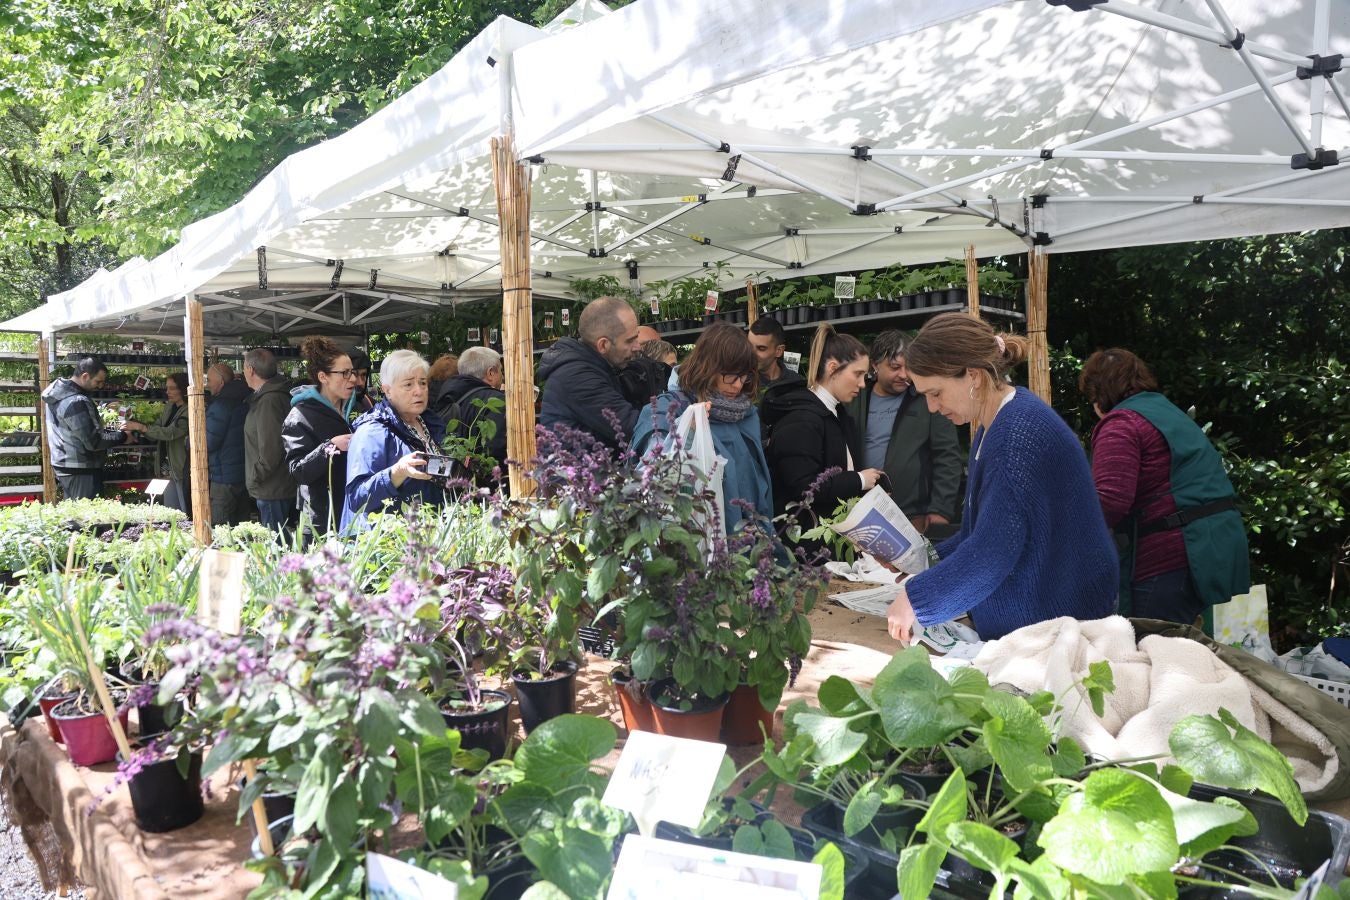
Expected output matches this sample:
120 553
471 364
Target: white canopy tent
779 140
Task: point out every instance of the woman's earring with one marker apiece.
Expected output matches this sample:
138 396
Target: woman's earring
972 392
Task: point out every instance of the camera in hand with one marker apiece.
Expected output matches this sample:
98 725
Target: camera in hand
438 466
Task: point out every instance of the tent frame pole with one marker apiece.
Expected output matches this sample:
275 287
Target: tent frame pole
44 426
196 399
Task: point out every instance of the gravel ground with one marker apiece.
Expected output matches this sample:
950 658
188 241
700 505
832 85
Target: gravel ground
18 874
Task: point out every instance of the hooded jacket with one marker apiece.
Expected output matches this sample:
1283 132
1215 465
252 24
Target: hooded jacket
225 432
79 442
468 391
381 439
923 455
805 440
580 385
171 432
265 470
315 464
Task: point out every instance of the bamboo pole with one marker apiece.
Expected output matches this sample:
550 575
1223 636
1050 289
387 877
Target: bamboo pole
200 475
259 812
95 672
511 183
751 302
44 379
1038 266
972 282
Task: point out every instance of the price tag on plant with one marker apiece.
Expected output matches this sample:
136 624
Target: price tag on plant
548 321
710 302
653 869
475 335
496 337
844 286
566 316
138 346
424 338
390 878
654 304
792 361
142 383
157 487
220 590
664 779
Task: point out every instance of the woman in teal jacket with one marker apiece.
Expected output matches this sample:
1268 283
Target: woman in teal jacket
721 372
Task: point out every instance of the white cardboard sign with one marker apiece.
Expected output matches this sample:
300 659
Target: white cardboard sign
393 879
220 590
792 360
653 869
661 778
710 302
157 487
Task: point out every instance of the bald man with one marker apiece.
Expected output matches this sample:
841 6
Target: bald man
581 374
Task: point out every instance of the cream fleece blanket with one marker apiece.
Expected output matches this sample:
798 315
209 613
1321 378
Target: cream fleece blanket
1159 681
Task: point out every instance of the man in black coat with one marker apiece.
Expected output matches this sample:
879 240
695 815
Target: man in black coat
478 383
581 374
644 378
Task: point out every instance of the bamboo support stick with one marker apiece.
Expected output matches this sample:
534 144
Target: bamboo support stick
511 182
95 673
259 813
196 398
972 282
1038 266
751 302
44 378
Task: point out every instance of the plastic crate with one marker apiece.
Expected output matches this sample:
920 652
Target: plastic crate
1339 690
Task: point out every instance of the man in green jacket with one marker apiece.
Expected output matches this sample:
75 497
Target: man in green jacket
265 473
917 449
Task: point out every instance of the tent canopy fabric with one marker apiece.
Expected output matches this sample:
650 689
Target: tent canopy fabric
769 140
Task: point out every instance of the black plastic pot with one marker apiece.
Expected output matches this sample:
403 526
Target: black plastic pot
276 805
280 829
484 728
956 295
546 698
509 880
163 798
737 316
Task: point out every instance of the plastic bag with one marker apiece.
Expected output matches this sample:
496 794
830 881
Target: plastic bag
1244 620
705 467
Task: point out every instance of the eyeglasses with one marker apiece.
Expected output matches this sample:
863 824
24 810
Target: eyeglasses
736 379
342 373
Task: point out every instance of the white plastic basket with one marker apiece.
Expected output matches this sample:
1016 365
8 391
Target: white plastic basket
1339 690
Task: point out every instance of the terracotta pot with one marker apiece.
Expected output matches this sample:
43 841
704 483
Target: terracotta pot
89 740
701 723
633 700
48 702
743 716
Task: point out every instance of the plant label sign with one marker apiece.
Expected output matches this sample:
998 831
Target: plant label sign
474 335
142 383
653 869
496 337
220 590
138 346
664 779
157 487
393 879
710 302
654 304
548 321
792 360
566 316
844 286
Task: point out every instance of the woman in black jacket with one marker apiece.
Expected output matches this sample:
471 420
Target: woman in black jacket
810 430
316 434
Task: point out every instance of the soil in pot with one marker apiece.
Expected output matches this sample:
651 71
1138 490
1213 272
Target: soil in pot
743 717
546 698
89 741
164 798
701 721
483 727
930 773
48 701
633 700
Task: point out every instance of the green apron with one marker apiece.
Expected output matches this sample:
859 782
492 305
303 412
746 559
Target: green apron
1216 543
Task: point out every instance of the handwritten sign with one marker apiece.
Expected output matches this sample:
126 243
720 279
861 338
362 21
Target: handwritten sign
792 360
653 869
142 383
566 316
664 779
710 302
392 879
654 304
548 321
157 487
496 337
475 335
844 286
220 589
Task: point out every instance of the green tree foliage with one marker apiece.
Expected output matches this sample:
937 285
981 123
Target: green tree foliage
1252 334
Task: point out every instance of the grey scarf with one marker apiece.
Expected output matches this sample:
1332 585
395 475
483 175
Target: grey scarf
724 410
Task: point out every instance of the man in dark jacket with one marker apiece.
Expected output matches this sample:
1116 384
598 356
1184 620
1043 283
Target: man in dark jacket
474 391
644 378
230 503
79 442
581 375
265 473
917 449
769 340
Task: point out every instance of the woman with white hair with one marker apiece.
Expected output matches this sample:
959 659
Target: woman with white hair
383 467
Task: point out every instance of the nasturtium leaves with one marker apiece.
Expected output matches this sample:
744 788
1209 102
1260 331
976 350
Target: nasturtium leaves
577 861
1227 754
1017 738
946 807
981 845
770 839
1068 759
1117 826
1098 683
1209 827
560 751
835 741
917 705
862 808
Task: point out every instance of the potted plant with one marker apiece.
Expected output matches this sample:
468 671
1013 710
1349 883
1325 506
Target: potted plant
475 623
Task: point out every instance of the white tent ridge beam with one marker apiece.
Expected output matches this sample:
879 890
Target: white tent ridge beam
1235 40
349 266
1195 30
1203 198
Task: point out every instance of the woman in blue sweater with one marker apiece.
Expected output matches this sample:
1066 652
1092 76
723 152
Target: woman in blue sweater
1033 544
722 372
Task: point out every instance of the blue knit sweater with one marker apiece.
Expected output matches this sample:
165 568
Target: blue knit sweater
1033 544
